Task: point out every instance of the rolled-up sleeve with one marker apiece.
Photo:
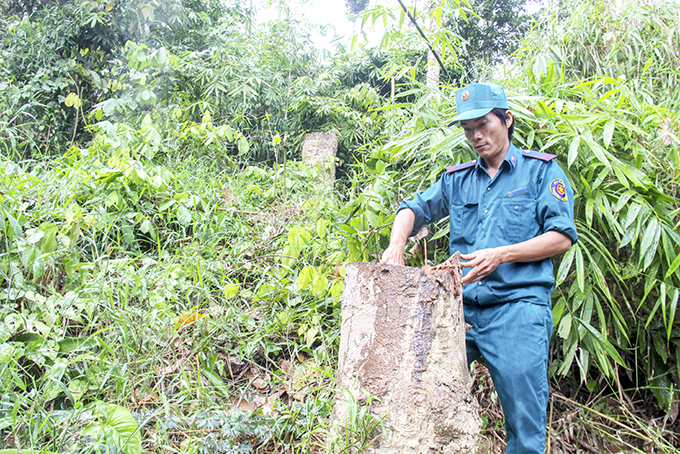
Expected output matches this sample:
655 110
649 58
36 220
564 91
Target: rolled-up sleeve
555 207
430 205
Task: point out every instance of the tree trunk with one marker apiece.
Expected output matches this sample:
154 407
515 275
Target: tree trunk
433 72
433 68
402 350
319 149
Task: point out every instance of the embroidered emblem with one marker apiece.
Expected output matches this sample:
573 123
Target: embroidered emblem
465 95
518 191
558 189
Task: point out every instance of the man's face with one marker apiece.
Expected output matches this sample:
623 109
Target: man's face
488 135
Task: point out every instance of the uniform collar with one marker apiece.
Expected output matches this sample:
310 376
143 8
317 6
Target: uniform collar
510 158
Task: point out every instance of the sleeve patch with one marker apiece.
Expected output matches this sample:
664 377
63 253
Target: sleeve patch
558 189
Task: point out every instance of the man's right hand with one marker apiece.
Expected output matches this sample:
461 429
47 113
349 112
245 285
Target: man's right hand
401 229
393 255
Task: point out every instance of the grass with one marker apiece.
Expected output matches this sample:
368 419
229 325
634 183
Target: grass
196 324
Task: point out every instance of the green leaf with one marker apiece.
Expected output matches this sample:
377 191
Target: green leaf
674 266
322 228
608 132
662 389
573 150
565 266
298 237
600 280
568 357
71 344
671 314
230 290
146 226
320 285
72 100
599 152
112 199
161 56
306 277
602 341
660 301
565 326
589 212
580 269
243 145
650 242
108 177
119 428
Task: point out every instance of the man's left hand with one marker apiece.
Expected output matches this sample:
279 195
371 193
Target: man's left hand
482 262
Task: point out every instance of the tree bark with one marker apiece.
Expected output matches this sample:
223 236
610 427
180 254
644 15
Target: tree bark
433 68
319 149
402 350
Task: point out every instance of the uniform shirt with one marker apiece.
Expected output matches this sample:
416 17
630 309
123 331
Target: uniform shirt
530 195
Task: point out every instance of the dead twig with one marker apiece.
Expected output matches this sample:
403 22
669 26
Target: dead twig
608 418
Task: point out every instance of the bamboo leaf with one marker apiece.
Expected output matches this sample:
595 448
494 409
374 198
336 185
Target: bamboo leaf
568 358
589 212
603 342
608 132
580 269
632 215
671 314
650 241
565 266
564 327
674 266
573 150
598 151
623 200
660 301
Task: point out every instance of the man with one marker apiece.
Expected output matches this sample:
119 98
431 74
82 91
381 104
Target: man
509 211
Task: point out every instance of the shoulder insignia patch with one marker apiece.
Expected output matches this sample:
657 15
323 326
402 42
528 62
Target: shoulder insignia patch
558 189
538 155
463 166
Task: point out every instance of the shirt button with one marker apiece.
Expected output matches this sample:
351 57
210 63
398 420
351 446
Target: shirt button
488 189
486 211
517 207
479 283
483 235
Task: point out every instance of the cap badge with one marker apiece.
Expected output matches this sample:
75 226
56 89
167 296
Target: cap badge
465 95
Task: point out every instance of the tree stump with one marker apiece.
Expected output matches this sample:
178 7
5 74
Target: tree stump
319 149
402 349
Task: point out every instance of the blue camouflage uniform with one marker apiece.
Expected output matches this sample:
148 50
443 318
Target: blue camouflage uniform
510 309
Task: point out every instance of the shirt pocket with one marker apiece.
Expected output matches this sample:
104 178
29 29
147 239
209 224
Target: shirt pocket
463 219
519 216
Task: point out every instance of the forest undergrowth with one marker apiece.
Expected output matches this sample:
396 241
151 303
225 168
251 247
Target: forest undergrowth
170 273
191 307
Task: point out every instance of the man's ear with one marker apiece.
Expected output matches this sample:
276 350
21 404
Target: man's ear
509 119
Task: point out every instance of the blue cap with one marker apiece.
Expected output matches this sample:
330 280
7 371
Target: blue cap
477 100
